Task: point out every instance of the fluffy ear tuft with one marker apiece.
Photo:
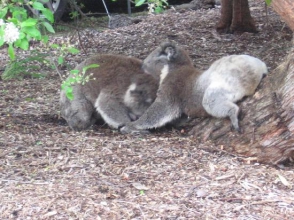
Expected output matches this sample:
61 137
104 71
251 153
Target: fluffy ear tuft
169 49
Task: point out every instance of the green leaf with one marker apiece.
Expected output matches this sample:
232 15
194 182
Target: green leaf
22 35
158 10
1 41
38 6
1 37
74 72
268 2
140 2
60 60
37 75
20 14
69 95
32 31
68 91
71 80
29 22
89 66
48 27
73 50
13 20
48 15
63 86
11 52
23 44
3 12
165 2
45 39
54 46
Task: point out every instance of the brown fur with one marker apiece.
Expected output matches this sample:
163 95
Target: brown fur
104 97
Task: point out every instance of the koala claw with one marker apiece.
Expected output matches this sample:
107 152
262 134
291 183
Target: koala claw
128 129
238 129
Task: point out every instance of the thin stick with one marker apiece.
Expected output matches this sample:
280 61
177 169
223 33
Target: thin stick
255 203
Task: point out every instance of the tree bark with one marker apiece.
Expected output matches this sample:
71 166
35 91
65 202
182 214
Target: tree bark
226 16
285 8
235 16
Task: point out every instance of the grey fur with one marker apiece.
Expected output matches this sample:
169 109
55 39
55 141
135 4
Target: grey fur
121 93
184 90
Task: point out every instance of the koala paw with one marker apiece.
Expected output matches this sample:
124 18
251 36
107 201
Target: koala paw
129 129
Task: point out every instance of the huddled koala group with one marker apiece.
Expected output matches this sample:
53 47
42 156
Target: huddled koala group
135 96
118 92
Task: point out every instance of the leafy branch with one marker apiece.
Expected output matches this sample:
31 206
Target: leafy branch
77 77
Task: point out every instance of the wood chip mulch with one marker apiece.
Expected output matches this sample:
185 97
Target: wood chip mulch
48 171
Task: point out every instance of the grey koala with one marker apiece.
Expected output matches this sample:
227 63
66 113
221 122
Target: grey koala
120 93
184 90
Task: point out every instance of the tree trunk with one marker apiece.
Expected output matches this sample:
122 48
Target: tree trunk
226 16
235 16
285 8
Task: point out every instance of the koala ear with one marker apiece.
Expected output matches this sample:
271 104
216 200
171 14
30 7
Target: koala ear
170 52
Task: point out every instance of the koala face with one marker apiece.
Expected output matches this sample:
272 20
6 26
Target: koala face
80 115
140 95
80 121
155 62
167 55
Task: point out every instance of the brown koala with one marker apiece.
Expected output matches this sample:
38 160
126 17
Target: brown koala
120 93
183 90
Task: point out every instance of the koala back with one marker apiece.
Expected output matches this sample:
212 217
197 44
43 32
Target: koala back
113 74
239 75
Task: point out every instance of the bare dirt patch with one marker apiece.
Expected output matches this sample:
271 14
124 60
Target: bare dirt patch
48 171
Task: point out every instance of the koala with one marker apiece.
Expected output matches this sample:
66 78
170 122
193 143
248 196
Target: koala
140 95
120 93
227 81
183 90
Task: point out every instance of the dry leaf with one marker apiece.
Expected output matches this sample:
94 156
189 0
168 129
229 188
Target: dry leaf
284 181
139 186
49 214
201 193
